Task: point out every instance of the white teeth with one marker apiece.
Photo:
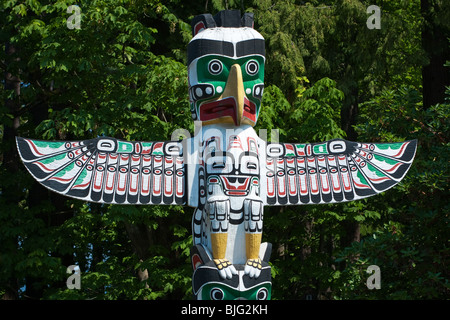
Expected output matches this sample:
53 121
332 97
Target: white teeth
198 92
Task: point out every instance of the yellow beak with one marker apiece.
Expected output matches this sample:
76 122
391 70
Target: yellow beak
235 88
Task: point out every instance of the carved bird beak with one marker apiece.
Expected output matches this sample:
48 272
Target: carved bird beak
235 88
232 105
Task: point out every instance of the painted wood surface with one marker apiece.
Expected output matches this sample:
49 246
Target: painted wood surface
225 171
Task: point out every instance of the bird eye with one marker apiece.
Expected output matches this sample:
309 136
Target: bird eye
215 67
262 294
252 67
216 294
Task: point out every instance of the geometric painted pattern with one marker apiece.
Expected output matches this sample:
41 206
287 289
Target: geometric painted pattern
109 170
228 178
334 171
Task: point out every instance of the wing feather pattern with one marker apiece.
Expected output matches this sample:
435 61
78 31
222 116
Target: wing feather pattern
109 170
333 171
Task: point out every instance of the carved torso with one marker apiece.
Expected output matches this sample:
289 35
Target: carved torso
232 203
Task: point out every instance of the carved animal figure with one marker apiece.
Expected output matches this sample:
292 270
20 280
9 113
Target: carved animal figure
225 171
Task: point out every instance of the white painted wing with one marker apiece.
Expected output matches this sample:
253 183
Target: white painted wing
109 170
333 171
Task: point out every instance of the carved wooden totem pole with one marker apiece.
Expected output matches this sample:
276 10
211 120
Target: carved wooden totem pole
225 171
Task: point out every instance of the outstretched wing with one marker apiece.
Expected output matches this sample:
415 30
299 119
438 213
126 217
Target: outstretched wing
108 170
333 171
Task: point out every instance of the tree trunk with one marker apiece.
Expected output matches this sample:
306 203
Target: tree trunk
10 189
435 76
12 82
352 233
141 239
349 113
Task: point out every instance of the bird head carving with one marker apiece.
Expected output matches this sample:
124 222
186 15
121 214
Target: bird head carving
226 59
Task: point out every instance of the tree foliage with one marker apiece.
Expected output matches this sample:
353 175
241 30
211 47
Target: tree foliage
123 74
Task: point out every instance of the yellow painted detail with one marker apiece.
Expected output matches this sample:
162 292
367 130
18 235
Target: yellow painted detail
252 244
219 245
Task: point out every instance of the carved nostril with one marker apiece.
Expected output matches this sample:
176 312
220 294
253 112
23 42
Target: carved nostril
201 91
258 90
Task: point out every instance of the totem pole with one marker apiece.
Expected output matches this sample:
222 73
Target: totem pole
226 172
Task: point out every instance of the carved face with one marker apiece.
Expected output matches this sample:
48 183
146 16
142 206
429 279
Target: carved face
226 75
218 291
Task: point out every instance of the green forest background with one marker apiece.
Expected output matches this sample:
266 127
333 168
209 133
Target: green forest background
123 74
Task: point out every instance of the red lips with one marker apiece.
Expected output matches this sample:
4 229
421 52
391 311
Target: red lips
227 107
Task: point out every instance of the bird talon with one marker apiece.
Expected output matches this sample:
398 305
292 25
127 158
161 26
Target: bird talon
253 268
225 268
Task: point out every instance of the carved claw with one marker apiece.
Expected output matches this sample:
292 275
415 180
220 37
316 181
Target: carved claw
226 269
253 268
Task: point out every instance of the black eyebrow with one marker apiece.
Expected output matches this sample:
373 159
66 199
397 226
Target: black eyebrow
201 47
252 46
